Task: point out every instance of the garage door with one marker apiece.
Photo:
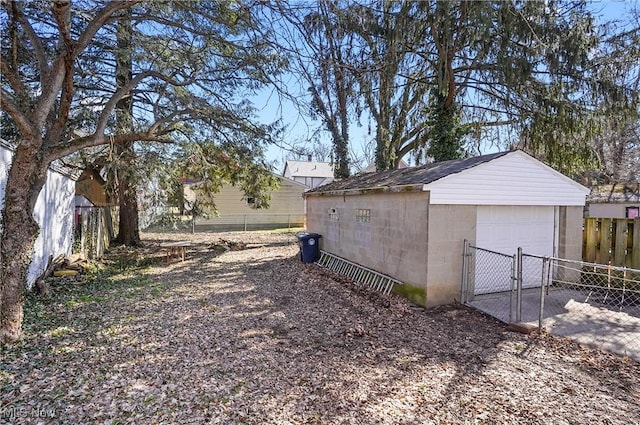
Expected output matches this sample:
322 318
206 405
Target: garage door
504 229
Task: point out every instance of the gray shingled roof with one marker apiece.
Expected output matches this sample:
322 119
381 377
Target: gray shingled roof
615 193
407 176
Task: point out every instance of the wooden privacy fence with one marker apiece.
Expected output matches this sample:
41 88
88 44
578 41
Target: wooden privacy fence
614 241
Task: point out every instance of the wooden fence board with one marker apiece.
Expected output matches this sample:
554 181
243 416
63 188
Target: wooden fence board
590 238
605 241
612 241
619 249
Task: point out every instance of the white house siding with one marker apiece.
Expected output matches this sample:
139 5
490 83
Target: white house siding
310 182
53 212
5 161
513 179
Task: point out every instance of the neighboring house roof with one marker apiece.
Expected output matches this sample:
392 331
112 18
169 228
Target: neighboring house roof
308 169
408 176
615 193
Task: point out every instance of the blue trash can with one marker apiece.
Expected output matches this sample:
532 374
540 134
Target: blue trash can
309 247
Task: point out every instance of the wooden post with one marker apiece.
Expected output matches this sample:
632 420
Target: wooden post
99 240
635 251
620 241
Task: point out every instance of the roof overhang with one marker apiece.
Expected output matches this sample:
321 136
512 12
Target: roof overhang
369 191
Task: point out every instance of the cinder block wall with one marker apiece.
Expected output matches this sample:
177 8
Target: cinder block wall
394 242
570 233
449 226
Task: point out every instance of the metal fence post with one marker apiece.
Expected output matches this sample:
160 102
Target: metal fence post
514 282
545 262
465 272
519 285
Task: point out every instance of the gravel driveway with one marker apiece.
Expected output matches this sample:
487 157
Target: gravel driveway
255 337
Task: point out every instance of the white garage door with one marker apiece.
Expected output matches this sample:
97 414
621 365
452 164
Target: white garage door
504 229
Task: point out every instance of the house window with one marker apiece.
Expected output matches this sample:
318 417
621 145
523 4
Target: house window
251 201
632 212
363 215
333 214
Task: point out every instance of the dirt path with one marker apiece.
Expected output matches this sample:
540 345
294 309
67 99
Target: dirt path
254 336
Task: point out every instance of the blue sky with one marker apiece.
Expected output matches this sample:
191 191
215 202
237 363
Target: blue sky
300 127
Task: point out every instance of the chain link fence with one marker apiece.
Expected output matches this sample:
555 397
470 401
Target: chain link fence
595 304
489 282
227 222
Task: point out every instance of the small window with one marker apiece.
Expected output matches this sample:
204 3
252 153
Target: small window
363 215
333 214
633 212
251 201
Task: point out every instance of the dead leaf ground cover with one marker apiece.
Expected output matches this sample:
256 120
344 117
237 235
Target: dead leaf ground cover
256 337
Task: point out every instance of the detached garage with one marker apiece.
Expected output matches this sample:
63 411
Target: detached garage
411 223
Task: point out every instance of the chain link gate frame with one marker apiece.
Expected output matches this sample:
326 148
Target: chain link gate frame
593 303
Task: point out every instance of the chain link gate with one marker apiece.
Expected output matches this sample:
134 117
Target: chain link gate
595 304
489 282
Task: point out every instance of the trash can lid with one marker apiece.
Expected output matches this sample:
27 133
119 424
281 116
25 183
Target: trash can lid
308 235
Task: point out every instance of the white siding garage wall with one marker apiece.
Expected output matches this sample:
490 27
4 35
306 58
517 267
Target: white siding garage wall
512 179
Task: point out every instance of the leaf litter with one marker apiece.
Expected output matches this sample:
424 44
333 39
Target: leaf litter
251 335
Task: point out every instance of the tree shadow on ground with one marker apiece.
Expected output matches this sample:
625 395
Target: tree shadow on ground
253 337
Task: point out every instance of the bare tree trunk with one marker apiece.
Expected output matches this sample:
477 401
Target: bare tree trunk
128 229
19 232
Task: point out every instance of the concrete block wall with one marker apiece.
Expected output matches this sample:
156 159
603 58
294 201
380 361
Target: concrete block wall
449 226
395 240
570 232
417 243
